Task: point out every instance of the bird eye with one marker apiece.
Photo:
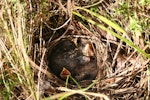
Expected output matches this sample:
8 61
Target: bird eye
79 40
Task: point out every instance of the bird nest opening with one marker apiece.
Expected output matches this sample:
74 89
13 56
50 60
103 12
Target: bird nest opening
75 57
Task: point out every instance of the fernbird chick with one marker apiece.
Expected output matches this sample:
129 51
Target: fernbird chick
78 59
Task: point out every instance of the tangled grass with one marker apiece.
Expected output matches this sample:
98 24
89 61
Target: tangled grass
120 30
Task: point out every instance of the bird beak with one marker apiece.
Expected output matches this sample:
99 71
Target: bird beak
65 73
75 41
88 50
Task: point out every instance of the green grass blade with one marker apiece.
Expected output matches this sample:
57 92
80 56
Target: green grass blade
75 82
105 20
130 43
90 86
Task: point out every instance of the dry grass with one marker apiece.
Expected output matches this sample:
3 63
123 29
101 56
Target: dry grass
29 28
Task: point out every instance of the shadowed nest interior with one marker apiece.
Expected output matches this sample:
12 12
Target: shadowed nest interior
77 57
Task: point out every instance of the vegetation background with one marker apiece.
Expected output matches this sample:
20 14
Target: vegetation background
27 26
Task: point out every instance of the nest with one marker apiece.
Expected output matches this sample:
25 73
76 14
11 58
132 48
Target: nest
120 74
76 52
79 52
113 80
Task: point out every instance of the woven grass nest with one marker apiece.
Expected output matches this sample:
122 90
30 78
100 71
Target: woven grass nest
87 57
76 56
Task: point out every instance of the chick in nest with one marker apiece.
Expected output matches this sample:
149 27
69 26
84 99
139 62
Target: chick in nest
77 57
